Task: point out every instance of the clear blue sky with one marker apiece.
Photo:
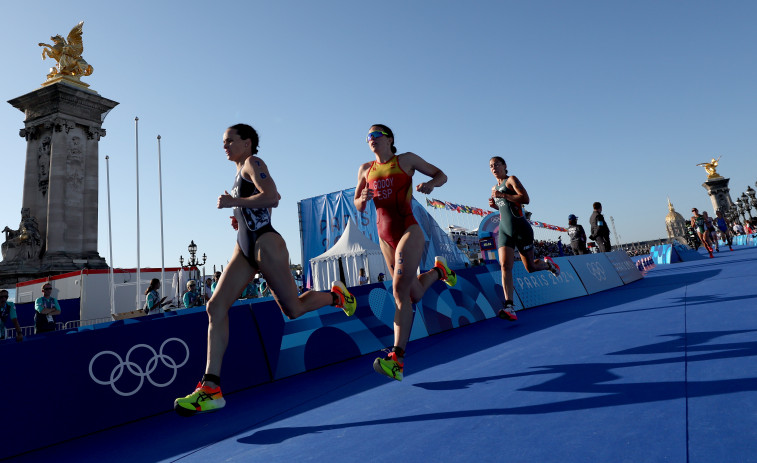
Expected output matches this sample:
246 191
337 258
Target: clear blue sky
587 101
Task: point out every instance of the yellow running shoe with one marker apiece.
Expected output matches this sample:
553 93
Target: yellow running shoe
389 366
203 399
347 301
448 275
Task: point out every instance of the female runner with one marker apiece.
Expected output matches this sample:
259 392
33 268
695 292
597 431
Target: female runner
259 248
508 197
387 181
698 224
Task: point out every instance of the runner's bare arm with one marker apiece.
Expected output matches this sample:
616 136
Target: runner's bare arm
520 196
410 162
363 193
256 171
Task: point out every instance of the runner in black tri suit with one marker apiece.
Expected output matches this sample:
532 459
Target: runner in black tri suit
508 197
259 248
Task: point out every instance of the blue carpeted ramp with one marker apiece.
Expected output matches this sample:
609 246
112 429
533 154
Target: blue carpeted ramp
660 370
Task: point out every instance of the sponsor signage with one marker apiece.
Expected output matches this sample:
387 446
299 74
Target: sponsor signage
596 272
624 266
539 288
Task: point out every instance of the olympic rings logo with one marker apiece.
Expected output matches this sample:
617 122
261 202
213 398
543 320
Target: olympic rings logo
136 369
596 269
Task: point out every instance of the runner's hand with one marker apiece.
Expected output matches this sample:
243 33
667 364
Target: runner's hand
225 200
234 223
424 188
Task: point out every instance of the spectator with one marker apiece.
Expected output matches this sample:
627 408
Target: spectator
153 302
600 232
47 308
363 278
748 229
263 289
738 229
251 290
577 235
208 285
8 314
216 277
191 297
381 277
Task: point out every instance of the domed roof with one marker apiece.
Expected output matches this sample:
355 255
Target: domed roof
673 216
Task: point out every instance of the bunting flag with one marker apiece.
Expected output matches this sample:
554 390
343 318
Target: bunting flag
547 226
463 209
435 203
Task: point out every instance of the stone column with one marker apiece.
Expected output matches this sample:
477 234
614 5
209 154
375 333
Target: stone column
720 194
63 126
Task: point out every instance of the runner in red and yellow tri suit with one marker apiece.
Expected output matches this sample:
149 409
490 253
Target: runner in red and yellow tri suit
392 196
387 181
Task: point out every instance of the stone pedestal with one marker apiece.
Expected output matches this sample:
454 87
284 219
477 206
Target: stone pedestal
63 126
720 194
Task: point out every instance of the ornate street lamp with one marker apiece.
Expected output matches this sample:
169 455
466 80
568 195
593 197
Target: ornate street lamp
733 213
193 260
740 207
747 206
752 196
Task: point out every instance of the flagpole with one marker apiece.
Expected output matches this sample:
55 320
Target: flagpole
136 145
110 241
162 249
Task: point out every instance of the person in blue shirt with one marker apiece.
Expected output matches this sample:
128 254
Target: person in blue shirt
250 291
47 308
8 314
192 297
153 302
216 277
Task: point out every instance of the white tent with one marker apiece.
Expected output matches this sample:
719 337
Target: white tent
355 251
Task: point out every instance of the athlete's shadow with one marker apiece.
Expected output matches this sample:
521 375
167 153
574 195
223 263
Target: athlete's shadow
585 378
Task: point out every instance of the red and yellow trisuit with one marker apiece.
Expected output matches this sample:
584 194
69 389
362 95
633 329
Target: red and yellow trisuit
392 196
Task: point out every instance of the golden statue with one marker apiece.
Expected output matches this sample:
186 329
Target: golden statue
710 167
70 64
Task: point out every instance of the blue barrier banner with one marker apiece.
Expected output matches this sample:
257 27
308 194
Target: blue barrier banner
542 287
491 284
327 336
139 366
661 254
135 367
596 272
685 253
624 266
474 298
321 337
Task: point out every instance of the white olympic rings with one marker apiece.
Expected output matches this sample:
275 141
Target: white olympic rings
596 269
137 370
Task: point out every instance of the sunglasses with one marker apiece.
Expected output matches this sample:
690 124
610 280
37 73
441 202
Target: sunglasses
375 135
46 289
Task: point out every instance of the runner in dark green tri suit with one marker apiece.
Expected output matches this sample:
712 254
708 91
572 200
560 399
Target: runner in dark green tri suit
508 197
698 224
